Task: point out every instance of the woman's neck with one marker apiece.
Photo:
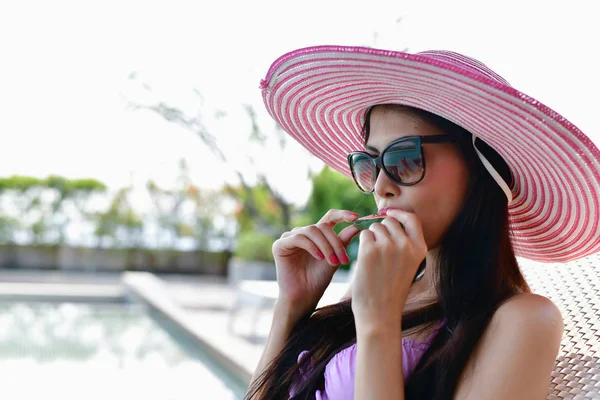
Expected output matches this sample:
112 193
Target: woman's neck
423 291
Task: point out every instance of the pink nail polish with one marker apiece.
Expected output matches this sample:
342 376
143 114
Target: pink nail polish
345 258
321 255
334 260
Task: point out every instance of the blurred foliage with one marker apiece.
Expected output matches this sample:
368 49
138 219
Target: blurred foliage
70 187
254 246
19 183
7 227
119 223
260 221
45 207
74 191
332 190
40 211
268 214
169 207
42 205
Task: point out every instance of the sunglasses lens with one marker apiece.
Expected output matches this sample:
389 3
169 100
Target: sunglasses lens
404 161
365 172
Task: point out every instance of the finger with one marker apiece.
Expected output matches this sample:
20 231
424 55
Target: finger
381 232
347 234
394 227
303 242
336 243
288 233
412 224
315 234
365 239
333 217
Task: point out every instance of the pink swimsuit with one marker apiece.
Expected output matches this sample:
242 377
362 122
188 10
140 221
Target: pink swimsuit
340 371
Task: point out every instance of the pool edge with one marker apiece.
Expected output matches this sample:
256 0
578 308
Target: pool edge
149 289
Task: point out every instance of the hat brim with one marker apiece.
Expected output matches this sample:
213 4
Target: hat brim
319 95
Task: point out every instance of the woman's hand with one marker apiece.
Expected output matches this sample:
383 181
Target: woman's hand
306 259
388 259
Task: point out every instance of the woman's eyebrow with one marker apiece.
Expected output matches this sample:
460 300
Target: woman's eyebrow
372 149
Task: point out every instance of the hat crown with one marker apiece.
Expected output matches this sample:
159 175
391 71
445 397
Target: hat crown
464 62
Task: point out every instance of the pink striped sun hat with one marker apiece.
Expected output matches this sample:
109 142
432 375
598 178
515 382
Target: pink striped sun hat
320 95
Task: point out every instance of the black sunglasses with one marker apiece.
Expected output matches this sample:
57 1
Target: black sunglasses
402 161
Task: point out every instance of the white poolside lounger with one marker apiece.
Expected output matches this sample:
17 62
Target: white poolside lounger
261 296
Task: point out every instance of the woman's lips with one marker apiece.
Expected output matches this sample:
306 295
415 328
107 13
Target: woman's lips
383 211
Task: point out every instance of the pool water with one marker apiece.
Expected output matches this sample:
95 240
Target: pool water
103 351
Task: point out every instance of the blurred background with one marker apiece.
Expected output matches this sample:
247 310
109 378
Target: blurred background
142 182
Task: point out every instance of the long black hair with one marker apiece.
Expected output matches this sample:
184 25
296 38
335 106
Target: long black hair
476 271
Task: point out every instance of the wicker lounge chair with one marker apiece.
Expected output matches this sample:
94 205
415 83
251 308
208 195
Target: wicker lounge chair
575 288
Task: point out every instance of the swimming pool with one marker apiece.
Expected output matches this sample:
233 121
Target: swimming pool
103 351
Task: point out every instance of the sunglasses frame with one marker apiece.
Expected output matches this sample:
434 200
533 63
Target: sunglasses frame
378 160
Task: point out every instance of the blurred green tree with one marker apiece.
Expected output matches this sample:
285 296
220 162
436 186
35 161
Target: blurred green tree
8 224
256 210
119 223
254 246
70 197
41 206
332 190
184 210
202 226
81 192
22 197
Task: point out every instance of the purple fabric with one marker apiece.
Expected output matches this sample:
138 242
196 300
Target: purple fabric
341 369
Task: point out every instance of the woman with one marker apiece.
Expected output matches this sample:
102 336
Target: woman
475 174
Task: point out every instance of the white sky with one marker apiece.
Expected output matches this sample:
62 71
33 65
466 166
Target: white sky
64 68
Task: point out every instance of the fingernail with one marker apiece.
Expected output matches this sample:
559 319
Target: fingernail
351 216
334 260
320 254
345 258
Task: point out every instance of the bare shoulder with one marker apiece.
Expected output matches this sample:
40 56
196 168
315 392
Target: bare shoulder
516 353
524 320
529 313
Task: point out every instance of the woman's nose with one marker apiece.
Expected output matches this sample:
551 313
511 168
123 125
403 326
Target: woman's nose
384 186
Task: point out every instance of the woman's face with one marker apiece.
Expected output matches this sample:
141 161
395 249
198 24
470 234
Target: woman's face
437 199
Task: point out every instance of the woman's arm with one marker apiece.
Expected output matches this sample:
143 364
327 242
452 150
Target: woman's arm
348 293
379 363
389 254
282 325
